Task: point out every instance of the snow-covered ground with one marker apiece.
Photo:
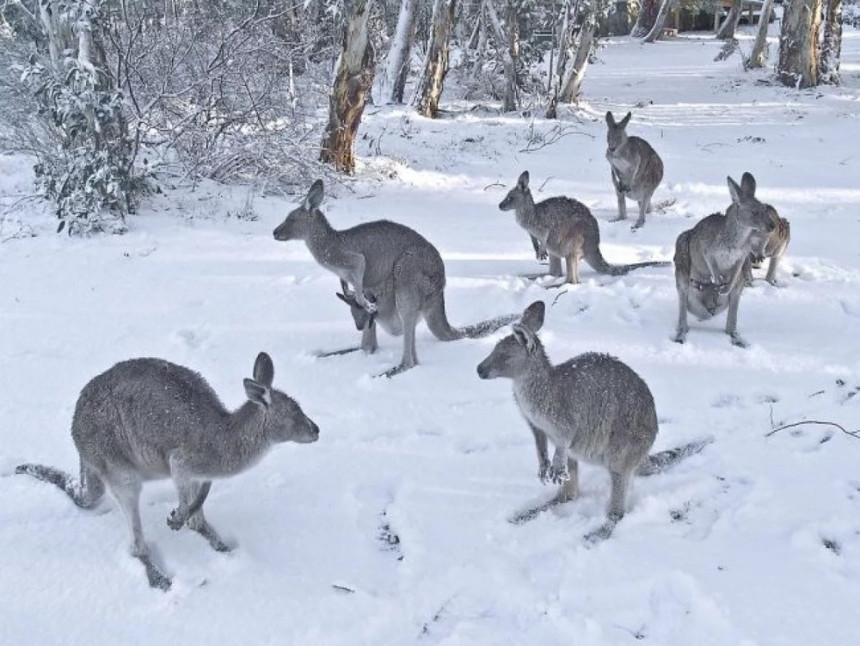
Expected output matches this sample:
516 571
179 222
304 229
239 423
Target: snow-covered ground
392 529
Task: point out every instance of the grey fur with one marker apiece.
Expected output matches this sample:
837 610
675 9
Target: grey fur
636 168
712 260
592 408
776 242
565 228
396 276
149 419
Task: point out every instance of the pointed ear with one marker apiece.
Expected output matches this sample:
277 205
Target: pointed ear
523 180
257 393
734 190
525 337
610 120
533 316
748 185
315 195
623 123
264 370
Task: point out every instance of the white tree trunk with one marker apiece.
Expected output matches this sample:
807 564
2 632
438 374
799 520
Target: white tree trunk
730 24
660 22
509 100
759 51
397 64
576 72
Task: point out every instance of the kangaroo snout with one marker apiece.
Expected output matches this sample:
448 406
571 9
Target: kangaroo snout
483 371
313 432
280 233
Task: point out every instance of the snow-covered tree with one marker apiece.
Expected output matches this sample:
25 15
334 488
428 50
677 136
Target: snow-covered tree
352 82
798 43
758 56
397 63
831 44
430 83
730 24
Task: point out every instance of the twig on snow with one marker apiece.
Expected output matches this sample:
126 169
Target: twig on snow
854 434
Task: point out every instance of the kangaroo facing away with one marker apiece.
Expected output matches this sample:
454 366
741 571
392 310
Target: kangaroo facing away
774 247
712 260
592 408
149 419
397 277
565 228
636 168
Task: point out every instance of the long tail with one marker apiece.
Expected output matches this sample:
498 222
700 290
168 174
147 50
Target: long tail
659 462
437 321
85 492
595 258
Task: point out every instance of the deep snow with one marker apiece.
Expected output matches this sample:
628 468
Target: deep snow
404 500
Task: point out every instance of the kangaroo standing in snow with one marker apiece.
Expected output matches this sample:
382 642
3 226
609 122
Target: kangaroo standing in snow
636 168
565 228
776 243
149 419
397 276
592 408
712 259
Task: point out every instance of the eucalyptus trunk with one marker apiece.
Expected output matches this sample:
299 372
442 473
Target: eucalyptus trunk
431 82
798 44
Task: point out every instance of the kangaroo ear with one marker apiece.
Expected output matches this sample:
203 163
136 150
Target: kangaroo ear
523 181
525 337
623 123
533 316
315 195
610 120
258 393
734 190
748 185
264 369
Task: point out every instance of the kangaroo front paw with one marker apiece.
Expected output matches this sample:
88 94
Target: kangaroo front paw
559 475
680 337
544 472
176 520
738 341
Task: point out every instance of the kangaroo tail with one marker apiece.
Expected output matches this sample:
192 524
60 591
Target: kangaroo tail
85 493
437 321
659 462
598 263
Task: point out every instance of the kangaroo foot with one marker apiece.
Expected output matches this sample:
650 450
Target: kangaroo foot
737 340
157 579
336 353
396 370
601 533
638 225
211 536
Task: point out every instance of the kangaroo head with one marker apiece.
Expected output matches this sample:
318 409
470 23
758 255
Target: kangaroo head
616 136
710 295
512 355
362 318
298 223
284 419
517 194
749 213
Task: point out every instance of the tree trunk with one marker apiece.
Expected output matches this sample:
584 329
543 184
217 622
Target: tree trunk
831 46
556 81
506 44
430 84
759 51
647 17
397 65
730 24
798 43
352 82
576 73
659 23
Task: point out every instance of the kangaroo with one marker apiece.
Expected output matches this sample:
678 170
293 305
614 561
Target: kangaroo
636 168
397 276
775 244
712 259
149 419
565 228
592 408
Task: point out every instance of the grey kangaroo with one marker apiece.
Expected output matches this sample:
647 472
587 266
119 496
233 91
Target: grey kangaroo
565 228
712 260
396 276
636 168
149 419
592 408
776 243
